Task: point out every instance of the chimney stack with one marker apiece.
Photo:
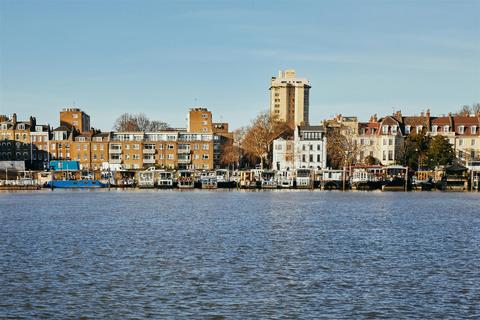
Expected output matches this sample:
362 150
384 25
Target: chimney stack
14 119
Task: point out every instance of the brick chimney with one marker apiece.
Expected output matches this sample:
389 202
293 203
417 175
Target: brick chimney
14 119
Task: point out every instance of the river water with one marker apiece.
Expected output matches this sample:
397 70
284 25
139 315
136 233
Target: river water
239 255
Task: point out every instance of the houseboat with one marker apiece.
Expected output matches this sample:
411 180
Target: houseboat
185 179
165 179
248 180
67 174
208 180
119 178
304 178
24 181
223 179
268 180
423 180
285 179
366 177
332 179
395 178
146 178
453 178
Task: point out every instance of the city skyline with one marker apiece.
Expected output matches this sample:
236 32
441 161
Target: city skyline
162 58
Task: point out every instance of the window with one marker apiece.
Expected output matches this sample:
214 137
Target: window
170 147
205 156
204 116
303 157
394 129
384 142
460 142
473 142
473 129
310 158
434 129
318 158
446 128
85 147
318 147
390 142
461 129
419 129
136 157
75 115
384 129
170 156
407 129
204 123
205 147
311 147
384 155
136 147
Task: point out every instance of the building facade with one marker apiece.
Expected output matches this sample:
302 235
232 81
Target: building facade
307 149
290 98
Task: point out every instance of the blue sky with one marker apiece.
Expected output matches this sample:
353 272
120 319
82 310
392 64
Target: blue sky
162 57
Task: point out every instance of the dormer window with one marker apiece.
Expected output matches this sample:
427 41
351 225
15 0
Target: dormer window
446 128
434 129
407 129
419 129
362 131
81 139
461 129
384 129
473 129
394 129
38 128
21 127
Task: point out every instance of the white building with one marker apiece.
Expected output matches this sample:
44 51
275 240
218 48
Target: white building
308 149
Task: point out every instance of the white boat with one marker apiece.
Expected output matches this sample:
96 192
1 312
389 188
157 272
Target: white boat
165 179
304 178
146 179
285 178
185 179
208 180
268 180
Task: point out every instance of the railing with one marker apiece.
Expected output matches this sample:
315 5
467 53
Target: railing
147 160
149 151
115 151
115 161
184 151
184 160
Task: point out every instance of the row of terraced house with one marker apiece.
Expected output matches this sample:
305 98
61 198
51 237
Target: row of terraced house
383 138
196 147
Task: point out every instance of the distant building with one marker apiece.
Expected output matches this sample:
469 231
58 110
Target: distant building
290 98
75 118
307 149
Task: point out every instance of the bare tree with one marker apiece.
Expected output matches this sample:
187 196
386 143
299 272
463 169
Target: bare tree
342 149
468 110
258 138
230 155
137 122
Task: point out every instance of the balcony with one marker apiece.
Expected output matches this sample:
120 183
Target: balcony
183 151
115 161
115 151
149 151
184 160
147 160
